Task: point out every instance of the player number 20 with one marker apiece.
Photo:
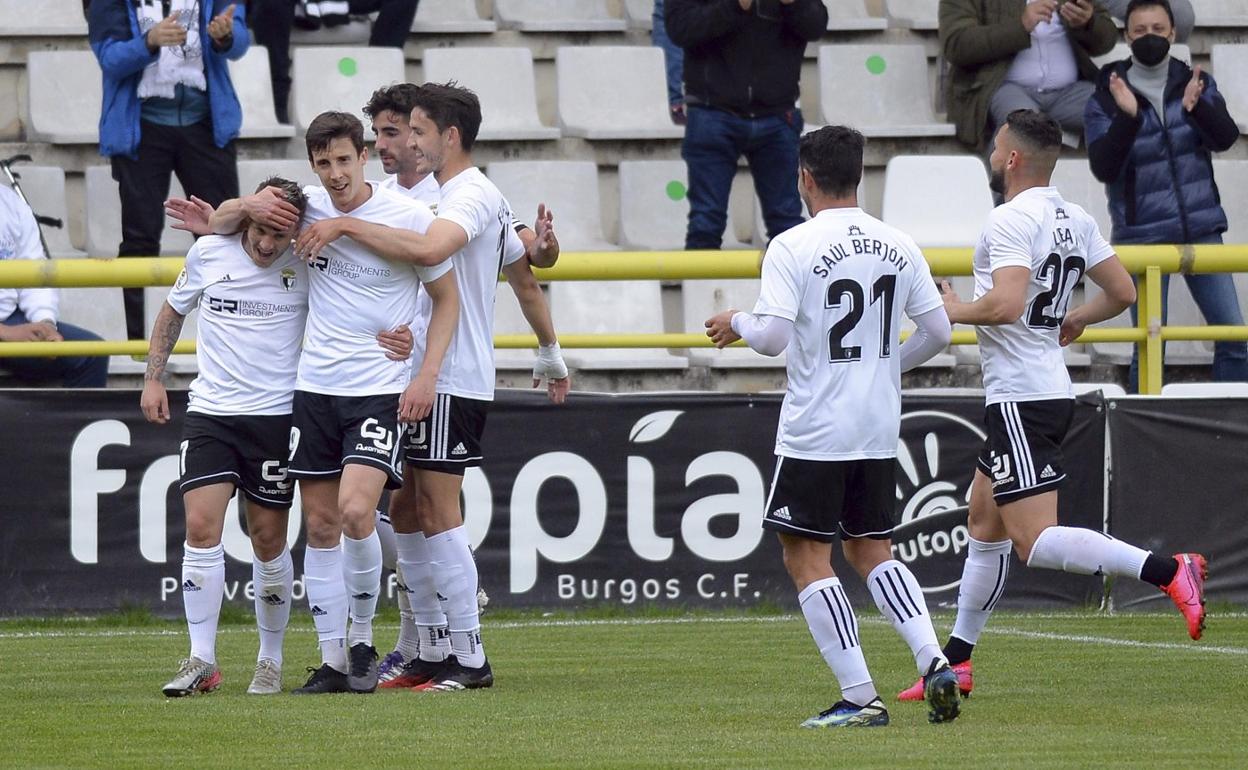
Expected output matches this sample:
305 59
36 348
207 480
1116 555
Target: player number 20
849 291
1059 277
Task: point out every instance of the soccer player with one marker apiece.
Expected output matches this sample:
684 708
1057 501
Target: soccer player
472 224
833 292
346 438
390 110
252 294
1032 253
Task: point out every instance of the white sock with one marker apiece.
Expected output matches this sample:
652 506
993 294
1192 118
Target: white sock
455 573
409 636
983 581
327 598
272 582
1085 552
361 569
385 533
430 619
900 599
835 630
203 587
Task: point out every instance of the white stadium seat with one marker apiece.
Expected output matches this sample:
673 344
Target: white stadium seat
852 16
1220 13
702 299
503 80
44 188
1206 390
611 307
1073 179
912 14
450 16
613 92
65 92
1229 64
250 77
21 18
654 206
557 16
881 90
568 187
639 13
939 200
1107 389
340 78
1232 179
104 217
252 172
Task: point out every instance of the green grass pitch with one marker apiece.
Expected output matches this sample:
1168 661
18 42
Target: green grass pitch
1072 689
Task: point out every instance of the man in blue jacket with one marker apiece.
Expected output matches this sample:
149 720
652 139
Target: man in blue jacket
1151 126
169 107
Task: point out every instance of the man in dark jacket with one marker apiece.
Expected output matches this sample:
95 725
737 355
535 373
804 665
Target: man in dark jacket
1152 125
743 59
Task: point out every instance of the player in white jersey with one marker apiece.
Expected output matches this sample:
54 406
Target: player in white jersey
349 402
1032 253
472 226
252 294
833 294
390 110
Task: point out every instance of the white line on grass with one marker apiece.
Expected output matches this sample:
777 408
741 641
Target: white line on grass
1111 642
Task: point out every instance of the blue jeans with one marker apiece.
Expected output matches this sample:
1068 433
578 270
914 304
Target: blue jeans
1219 304
673 56
72 371
714 140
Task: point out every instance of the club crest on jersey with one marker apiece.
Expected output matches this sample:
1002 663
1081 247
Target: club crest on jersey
288 278
854 230
178 284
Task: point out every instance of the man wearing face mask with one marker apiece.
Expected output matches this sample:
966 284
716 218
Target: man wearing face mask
1152 125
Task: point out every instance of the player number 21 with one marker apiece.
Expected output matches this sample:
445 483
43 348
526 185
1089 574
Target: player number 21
845 289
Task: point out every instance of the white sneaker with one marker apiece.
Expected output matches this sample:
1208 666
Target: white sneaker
267 679
194 676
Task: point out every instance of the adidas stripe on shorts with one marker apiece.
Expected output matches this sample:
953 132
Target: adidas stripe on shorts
822 499
1022 455
449 439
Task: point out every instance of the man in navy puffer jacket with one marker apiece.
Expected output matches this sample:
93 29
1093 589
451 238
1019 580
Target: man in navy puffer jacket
1151 126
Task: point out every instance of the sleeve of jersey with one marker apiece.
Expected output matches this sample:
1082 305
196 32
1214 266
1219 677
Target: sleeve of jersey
923 293
513 247
781 292
473 215
1009 239
1099 249
184 295
433 273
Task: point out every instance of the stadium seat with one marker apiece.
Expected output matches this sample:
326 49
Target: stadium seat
1073 179
340 78
64 102
1232 179
1107 389
100 310
879 89
611 307
1206 390
613 92
702 299
1229 63
912 14
44 188
939 200
450 16
502 79
639 13
568 187
557 16
104 217
58 18
1220 13
250 76
1122 51
654 207
509 319
852 16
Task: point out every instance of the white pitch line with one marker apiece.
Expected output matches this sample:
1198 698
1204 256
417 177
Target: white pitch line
1111 642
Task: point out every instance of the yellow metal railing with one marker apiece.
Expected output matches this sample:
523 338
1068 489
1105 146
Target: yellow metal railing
1147 262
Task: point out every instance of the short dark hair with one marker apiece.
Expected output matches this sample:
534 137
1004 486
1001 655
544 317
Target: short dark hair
1135 5
1035 129
400 98
449 104
833 156
328 126
292 192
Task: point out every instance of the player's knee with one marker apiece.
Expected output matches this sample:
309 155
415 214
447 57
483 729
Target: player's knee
324 529
203 530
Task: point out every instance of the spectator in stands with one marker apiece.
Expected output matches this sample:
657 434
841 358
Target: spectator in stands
673 61
1152 125
169 107
743 60
1184 16
272 21
1002 61
29 315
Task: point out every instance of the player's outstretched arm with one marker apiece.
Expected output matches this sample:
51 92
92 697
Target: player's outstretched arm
1001 305
417 401
1117 294
931 335
541 244
267 207
193 215
433 247
165 332
550 365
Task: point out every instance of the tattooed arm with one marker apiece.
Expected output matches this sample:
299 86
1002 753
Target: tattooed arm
165 332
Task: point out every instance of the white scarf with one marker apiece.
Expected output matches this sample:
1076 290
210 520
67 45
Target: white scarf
177 64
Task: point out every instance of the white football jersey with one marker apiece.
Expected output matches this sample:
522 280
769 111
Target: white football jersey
251 322
1058 242
471 201
844 278
354 294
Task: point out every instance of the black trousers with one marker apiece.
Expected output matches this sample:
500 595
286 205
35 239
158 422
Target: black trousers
271 21
205 171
